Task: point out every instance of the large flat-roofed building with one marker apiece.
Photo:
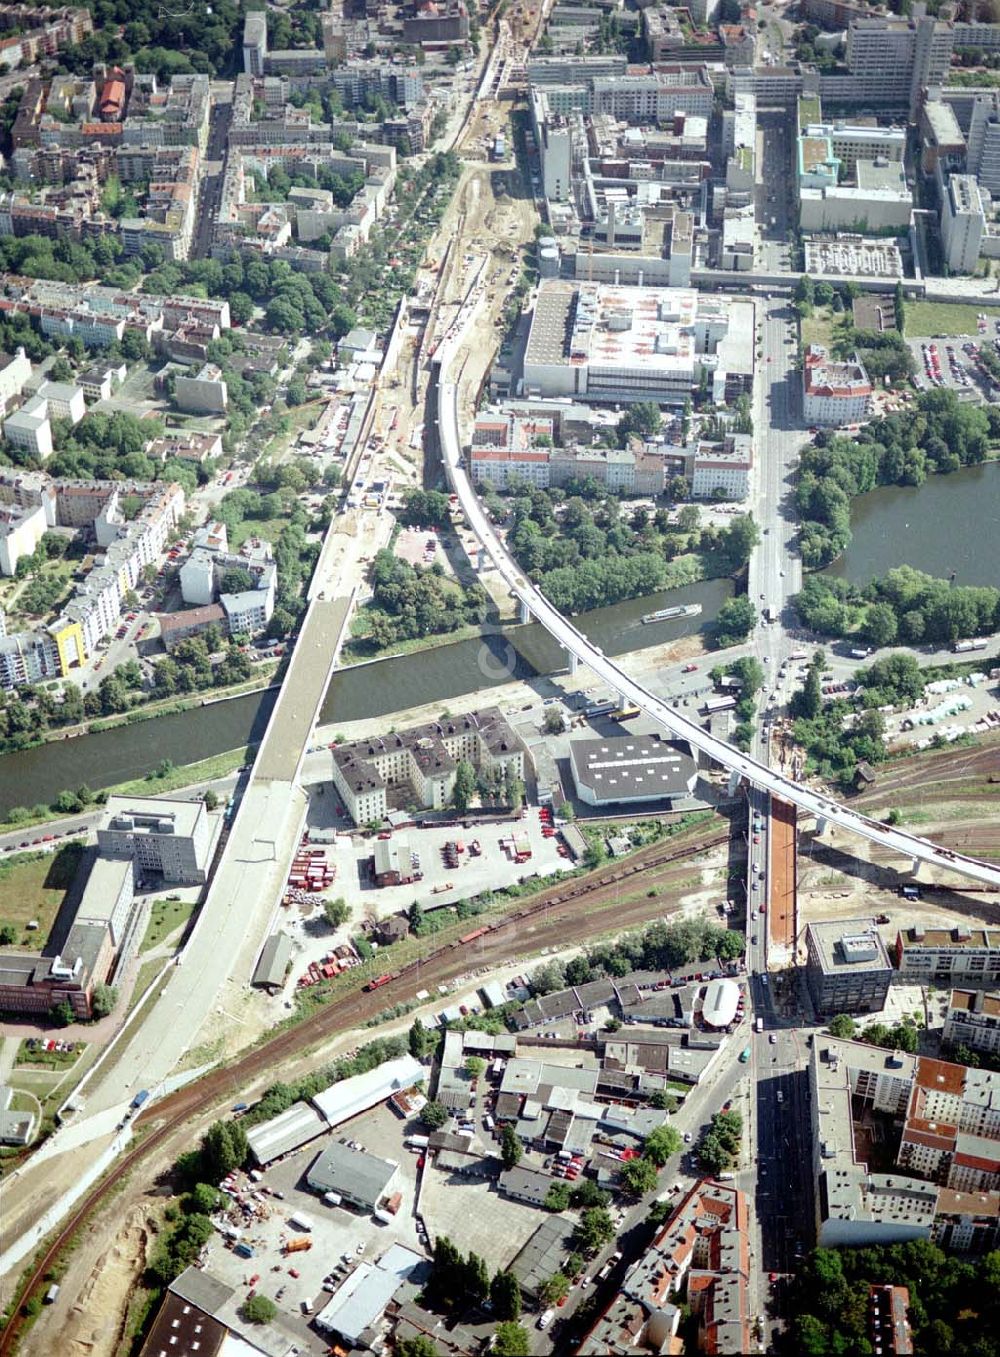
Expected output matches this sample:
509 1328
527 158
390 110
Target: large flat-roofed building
968 954
598 342
632 769
963 223
160 835
947 1160
361 1179
705 1247
973 1020
848 968
421 762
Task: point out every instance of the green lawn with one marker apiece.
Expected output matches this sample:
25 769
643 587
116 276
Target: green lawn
269 529
33 886
166 916
945 318
822 326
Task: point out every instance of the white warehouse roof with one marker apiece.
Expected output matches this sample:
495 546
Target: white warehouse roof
293 1128
719 1005
349 1097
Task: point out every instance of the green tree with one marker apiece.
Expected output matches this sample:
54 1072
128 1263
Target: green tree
712 1153
734 622
421 1041
554 1289
258 1310
210 799
477 1279
638 1176
661 1144
558 1197
511 1340
475 1066
586 1193
465 786
336 912
594 1229
843 1026
664 1101
417 1346
511 1148
223 1148
203 1198
103 1001
62 1014
8 935
433 1115
505 1296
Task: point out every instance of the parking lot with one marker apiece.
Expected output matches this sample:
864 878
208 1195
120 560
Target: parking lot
954 362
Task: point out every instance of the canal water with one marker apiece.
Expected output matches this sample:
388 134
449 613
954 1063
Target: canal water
947 525
444 672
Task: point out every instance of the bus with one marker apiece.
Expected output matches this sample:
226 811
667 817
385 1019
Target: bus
719 704
624 713
758 1024
601 708
962 647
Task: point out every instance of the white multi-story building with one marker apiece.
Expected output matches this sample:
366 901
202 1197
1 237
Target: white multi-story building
973 1020
963 223
22 527
160 835
15 372
255 42
723 470
833 394
942 954
951 1134
65 400
29 428
503 450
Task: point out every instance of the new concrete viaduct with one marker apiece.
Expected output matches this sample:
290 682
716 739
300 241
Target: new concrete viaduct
534 604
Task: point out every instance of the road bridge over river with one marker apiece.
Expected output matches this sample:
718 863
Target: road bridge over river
580 649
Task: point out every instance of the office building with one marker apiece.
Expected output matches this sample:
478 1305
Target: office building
973 1020
722 470
420 763
632 769
165 836
892 62
878 199
701 1259
941 954
611 344
833 394
848 968
963 223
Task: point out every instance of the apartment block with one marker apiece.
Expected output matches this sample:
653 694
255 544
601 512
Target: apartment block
420 763
204 393
29 428
503 450
700 1258
203 575
891 62
965 954
833 394
973 1020
254 42
170 838
27 657
15 373
21 530
944 1184
722 470
848 968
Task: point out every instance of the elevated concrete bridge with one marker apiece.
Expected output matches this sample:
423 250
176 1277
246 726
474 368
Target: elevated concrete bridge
534 604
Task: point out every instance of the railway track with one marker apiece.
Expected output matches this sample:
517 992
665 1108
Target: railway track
546 912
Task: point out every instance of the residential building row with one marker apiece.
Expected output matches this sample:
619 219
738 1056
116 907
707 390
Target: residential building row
30 32
833 393
203 577
124 546
698 1262
513 445
939 1125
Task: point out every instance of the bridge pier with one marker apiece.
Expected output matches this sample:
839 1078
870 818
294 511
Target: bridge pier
524 612
820 826
481 560
574 661
915 866
734 781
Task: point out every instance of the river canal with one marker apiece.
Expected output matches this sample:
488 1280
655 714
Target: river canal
37 775
946 525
